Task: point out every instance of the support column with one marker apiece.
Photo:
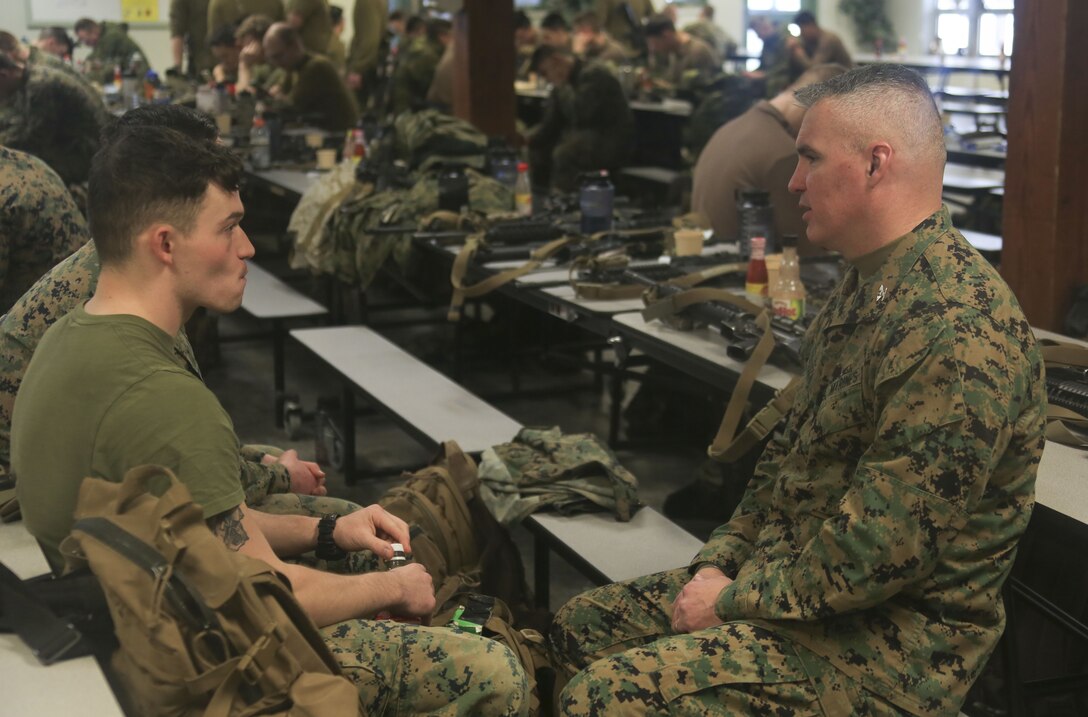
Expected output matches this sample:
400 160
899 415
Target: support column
483 80
1045 232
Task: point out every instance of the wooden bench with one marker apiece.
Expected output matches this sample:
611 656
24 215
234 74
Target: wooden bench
428 405
69 687
433 408
606 550
267 298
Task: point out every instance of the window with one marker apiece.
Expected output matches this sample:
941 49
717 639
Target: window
975 27
780 12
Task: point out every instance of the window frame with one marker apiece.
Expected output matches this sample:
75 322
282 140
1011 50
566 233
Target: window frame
974 11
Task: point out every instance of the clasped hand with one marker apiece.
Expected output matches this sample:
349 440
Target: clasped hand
693 608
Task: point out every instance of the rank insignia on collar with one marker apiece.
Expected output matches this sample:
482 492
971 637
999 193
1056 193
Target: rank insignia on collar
881 294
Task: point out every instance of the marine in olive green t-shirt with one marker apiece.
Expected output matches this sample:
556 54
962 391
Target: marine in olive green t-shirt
316 90
109 390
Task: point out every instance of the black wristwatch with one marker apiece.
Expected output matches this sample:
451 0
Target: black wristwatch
327 549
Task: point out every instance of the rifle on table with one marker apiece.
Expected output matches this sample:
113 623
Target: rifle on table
736 318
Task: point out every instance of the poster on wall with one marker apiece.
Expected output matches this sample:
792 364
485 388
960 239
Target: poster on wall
140 10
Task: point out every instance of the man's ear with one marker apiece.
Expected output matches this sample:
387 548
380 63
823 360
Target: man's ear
161 240
880 155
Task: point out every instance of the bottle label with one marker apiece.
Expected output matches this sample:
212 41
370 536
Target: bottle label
792 309
523 204
756 292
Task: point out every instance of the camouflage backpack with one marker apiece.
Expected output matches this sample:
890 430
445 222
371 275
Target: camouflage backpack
357 240
429 136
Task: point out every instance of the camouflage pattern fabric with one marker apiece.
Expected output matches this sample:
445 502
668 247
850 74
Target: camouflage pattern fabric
351 251
626 656
55 118
406 670
544 469
115 48
427 137
39 223
882 521
414 74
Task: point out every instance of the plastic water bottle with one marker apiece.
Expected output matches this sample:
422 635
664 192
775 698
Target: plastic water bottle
595 202
755 219
260 145
504 169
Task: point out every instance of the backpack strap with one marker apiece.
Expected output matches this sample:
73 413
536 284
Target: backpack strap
49 636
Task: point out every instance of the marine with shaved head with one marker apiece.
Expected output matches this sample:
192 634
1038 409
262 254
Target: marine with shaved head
861 573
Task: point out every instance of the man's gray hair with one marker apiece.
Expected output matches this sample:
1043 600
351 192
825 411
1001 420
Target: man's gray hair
881 96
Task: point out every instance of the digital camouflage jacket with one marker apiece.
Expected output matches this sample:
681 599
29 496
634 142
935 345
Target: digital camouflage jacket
882 521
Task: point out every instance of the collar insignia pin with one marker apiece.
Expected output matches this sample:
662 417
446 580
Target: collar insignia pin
881 294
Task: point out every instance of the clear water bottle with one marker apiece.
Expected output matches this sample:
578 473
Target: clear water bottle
504 169
595 202
260 145
755 219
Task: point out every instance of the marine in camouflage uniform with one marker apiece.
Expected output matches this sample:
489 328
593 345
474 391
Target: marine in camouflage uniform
587 126
55 118
39 222
414 74
868 553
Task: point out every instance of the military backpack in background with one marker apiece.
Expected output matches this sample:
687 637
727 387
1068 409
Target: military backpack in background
203 630
427 137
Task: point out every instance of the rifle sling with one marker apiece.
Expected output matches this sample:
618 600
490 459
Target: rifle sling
460 268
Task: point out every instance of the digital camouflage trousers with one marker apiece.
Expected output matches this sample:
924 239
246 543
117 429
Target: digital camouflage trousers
616 645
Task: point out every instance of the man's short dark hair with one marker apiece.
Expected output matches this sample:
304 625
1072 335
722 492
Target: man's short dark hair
198 125
437 27
554 21
224 36
413 24
658 25
58 34
254 27
588 21
522 21
7 62
147 172
396 15
544 53
336 14
9 43
804 18
84 24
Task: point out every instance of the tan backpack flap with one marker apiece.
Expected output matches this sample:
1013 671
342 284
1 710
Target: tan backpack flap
201 627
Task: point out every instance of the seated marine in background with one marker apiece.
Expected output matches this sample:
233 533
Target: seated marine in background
587 124
676 57
312 90
111 48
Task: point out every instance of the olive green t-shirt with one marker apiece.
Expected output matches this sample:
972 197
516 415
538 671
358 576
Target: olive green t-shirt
316 91
104 394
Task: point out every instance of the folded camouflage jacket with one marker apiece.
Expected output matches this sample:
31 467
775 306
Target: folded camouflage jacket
544 469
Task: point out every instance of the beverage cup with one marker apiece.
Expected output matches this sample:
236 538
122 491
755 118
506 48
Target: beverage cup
222 122
326 158
688 242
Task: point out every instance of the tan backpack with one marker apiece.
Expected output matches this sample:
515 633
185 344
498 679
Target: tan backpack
203 630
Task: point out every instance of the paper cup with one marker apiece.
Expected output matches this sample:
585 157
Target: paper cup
222 122
688 242
314 140
326 158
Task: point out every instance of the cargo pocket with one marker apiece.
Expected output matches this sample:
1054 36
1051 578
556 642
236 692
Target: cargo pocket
742 656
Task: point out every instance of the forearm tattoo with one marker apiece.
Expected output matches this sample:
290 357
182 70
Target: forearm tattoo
228 527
